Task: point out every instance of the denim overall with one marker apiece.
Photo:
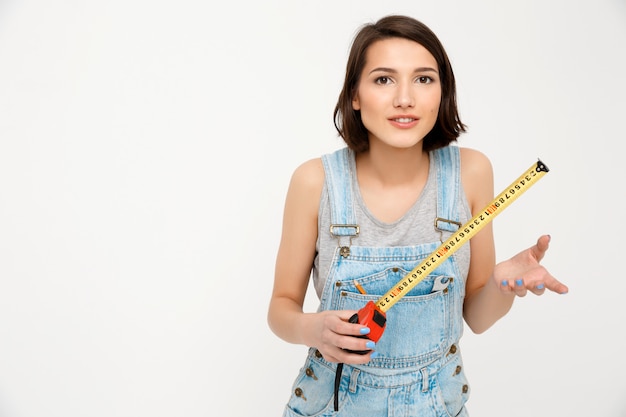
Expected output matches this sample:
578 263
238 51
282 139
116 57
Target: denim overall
418 371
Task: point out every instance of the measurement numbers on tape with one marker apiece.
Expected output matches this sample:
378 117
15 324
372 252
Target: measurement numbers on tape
462 235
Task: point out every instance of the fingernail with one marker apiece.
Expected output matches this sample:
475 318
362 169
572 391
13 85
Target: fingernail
365 330
370 345
505 283
374 355
540 287
564 292
519 282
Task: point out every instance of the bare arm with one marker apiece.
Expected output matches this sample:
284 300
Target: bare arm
490 288
328 331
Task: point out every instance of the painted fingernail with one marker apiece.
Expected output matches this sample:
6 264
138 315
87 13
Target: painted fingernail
365 330
505 283
540 287
519 282
374 355
370 345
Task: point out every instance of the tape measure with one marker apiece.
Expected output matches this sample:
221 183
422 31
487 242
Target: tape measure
373 314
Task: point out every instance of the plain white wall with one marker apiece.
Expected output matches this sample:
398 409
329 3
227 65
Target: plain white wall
145 151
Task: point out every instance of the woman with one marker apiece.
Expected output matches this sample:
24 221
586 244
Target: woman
356 221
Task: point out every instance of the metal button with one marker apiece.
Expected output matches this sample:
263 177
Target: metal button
299 393
395 269
337 284
457 370
465 389
309 372
318 354
453 349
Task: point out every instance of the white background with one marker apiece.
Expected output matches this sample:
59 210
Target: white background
145 152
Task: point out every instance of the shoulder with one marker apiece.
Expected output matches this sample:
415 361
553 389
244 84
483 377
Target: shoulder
475 163
477 177
305 189
309 175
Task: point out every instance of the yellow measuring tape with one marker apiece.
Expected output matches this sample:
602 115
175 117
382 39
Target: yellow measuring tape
461 236
373 315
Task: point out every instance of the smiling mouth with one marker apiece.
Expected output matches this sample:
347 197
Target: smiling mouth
404 120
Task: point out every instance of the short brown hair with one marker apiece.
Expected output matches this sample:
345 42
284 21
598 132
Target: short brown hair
348 121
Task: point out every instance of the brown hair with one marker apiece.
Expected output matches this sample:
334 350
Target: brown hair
348 121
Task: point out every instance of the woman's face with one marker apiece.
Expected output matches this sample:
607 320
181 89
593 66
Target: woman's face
399 92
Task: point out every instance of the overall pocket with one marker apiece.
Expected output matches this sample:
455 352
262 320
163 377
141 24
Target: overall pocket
312 391
452 387
418 325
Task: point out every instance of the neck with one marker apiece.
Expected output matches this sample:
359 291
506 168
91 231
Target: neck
389 166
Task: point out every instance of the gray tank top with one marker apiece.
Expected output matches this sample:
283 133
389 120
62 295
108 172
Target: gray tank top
414 228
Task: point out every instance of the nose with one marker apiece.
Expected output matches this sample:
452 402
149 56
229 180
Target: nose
404 96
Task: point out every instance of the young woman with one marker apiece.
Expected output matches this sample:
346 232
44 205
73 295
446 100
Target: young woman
356 221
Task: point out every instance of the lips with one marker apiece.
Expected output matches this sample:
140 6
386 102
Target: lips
404 121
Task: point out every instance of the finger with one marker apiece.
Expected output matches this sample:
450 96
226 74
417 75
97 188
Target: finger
537 289
556 286
539 249
360 356
346 314
339 355
345 355
359 359
541 276
356 344
519 288
348 336
330 358
505 286
348 328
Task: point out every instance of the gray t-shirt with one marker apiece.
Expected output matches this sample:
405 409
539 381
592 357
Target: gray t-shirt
414 228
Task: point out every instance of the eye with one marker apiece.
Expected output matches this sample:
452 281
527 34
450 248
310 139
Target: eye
424 79
383 80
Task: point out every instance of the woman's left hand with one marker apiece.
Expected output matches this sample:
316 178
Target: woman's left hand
523 273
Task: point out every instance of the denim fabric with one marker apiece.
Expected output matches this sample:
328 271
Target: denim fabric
419 369
439 389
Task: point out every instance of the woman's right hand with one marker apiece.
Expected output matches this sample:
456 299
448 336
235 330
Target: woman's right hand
331 333
328 331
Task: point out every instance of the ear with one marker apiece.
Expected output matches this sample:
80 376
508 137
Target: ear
356 103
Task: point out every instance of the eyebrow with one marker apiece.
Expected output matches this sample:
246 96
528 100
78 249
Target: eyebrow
393 71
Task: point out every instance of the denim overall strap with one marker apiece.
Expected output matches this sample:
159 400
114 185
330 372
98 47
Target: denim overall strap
338 177
339 185
448 186
338 181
